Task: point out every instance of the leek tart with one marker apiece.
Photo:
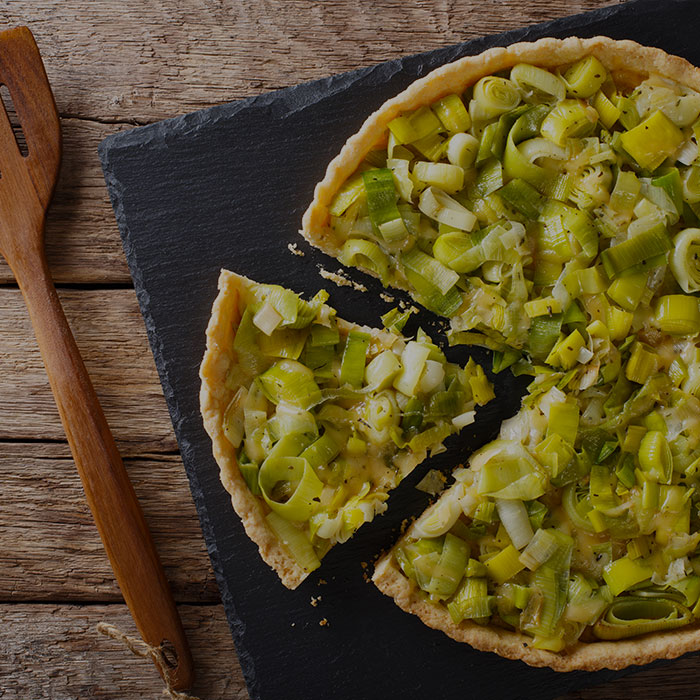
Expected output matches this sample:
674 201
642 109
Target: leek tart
313 419
542 197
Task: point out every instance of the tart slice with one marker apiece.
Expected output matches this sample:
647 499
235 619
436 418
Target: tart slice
314 420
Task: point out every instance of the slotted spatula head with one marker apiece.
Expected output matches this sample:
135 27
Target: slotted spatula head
26 182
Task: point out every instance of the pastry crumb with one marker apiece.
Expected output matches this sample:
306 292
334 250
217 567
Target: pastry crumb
363 564
340 279
386 297
322 582
294 250
315 600
432 483
323 622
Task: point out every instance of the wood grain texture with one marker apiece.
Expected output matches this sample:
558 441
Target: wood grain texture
54 652
49 546
111 336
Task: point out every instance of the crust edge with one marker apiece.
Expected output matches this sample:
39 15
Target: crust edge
626 59
512 645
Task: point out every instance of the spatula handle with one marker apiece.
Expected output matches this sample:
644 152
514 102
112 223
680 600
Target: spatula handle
109 492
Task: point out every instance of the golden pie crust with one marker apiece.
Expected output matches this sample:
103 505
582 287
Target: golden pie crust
214 397
629 63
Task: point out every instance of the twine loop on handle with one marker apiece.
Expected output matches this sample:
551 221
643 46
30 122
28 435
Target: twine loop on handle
159 655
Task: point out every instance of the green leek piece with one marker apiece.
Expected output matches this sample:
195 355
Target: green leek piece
685 259
543 335
629 117
677 314
462 150
543 84
471 602
448 177
452 113
324 335
515 163
295 541
492 97
352 367
412 127
556 454
625 472
504 565
624 573
607 111
431 297
652 141
631 616
513 516
412 415
381 203
249 472
585 77
234 418
502 359
321 452
655 456
523 197
540 548
490 178
482 391
577 509
640 249
347 195
671 183
619 322
395 320
633 438
565 353
627 291
563 421
290 381
509 471
413 360
643 363
450 567
438 205
568 119
290 487
625 193
439 275
550 588
541 307
359 252
381 370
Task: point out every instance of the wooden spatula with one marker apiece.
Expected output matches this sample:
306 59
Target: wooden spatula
26 186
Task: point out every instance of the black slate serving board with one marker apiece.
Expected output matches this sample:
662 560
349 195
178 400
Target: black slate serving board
226 187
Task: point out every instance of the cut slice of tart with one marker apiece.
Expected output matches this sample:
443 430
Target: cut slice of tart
314 420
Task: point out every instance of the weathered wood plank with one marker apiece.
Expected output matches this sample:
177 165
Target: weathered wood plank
54 652
50 548
112 339
137 61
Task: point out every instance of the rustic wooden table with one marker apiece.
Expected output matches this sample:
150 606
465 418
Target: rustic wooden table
115 65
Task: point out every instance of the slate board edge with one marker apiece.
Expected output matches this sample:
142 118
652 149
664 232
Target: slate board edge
295 98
